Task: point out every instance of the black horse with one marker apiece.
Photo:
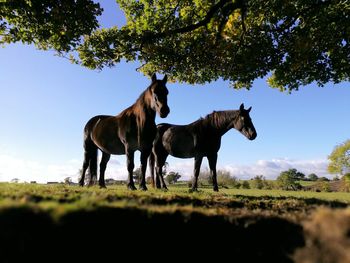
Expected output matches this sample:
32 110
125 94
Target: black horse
131 130
198 139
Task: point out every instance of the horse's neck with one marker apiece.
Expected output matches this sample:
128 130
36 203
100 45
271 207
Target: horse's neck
223 122
143 111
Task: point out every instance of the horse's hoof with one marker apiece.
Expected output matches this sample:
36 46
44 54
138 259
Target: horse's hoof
91 183
103 186
193 190
143 188
216 189
131 187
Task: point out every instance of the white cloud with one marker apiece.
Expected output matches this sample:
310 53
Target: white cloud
28 170
183 167
272 168
268 168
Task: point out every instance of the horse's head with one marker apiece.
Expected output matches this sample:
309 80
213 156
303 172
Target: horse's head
243 123
159 94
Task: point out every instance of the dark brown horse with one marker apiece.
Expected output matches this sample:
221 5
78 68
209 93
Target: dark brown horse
133 129
198 139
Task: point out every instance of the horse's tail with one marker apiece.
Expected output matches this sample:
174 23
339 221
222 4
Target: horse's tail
157 142
151 160
90 153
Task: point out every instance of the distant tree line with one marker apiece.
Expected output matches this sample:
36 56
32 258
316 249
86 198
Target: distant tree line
290 180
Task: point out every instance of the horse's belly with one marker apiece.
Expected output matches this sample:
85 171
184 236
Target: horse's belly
106 138
181 154
111 147
115 150
179 144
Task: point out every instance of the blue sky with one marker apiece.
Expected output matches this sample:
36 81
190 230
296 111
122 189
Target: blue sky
46 101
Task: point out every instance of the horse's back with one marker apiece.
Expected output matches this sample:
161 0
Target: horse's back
104 132
162 127
92 122
176 140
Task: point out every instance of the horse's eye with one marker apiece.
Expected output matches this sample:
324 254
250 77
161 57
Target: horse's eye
155 97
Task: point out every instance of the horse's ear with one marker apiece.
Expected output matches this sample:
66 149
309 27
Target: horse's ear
249 109
165 79
154 77
241 108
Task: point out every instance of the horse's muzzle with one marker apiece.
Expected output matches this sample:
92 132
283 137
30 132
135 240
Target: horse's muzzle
252 136
164 111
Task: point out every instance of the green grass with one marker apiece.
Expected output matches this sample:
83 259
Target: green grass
64 193
61 199
53 218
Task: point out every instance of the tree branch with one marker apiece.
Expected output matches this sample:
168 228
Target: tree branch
301 13
219 5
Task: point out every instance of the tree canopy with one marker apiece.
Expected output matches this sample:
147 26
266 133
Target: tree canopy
289 179
312 177
48 24
339 159
294 42
172 177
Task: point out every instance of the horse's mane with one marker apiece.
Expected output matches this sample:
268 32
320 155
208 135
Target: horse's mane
215 119
138 107
138 110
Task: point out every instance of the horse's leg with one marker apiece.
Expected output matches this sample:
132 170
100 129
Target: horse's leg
143 159
151 166
161 178
93 166
159 174
90 158
103 165
197 167
85 166
212 159
160 162
130 165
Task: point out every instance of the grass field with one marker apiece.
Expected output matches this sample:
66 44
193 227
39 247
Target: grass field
272 225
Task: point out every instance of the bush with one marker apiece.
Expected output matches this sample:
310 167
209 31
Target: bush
259 182
172 177
312 177
245 185
204 178
325 187
345 183
286 181
226 180
323 179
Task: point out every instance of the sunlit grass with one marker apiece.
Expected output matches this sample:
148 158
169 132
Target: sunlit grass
67 193
79 197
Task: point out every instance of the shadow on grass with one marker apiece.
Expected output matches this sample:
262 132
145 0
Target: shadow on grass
134 234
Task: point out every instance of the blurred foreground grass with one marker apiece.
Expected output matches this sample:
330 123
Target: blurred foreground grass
248 225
